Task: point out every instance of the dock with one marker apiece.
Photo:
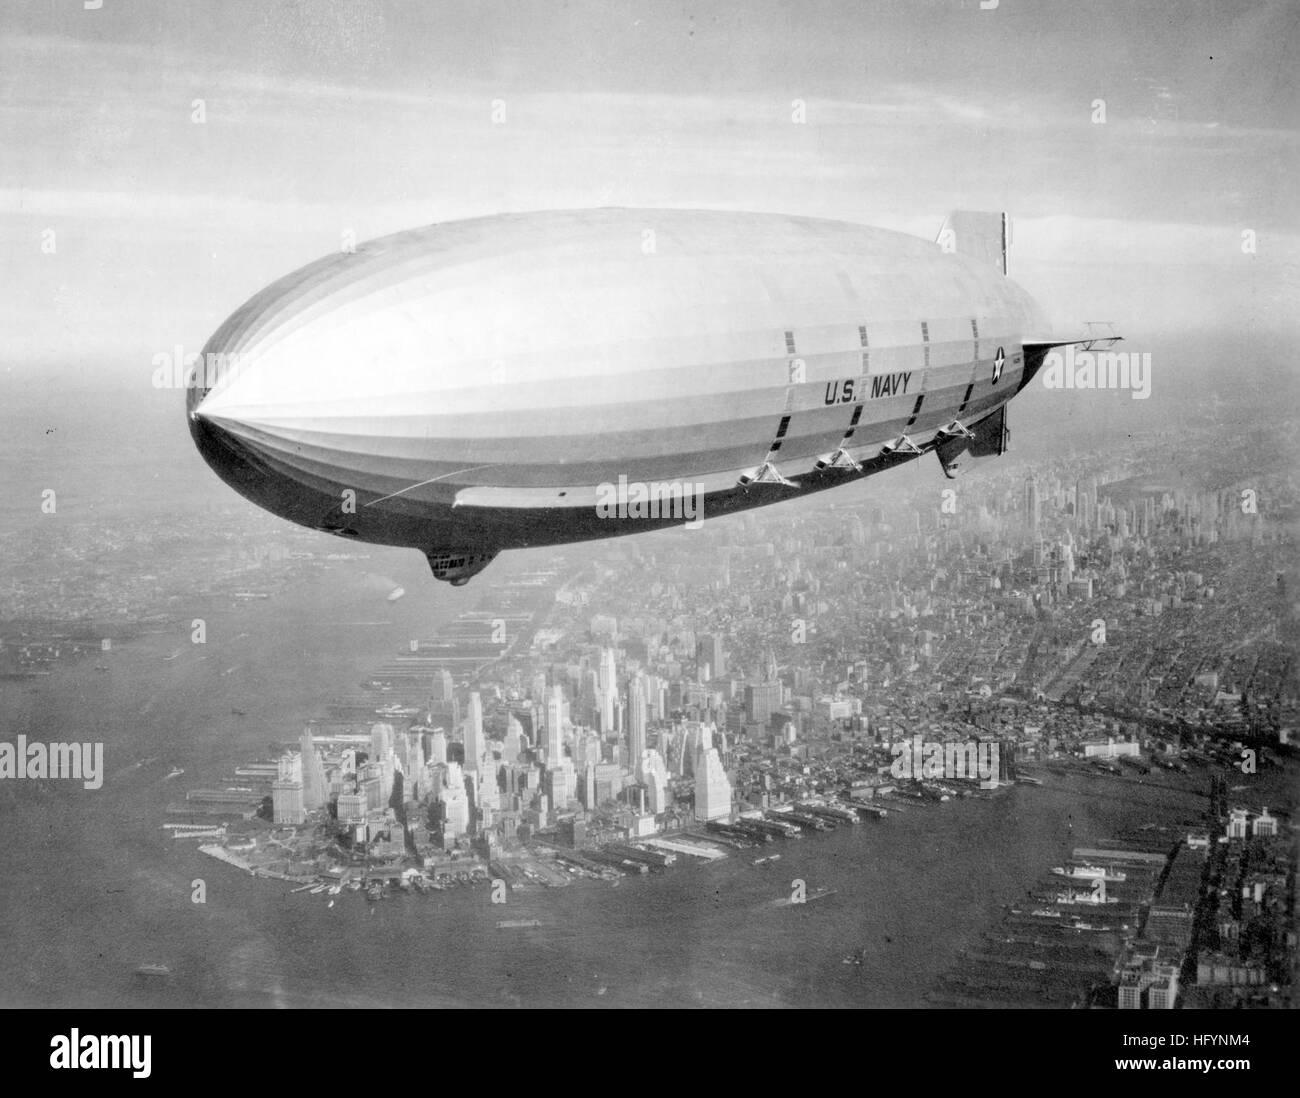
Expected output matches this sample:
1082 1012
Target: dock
709 854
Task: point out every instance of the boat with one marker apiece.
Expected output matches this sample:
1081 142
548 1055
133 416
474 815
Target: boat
1084 898
153 970
176 773
1090 873
765 861
855 958
396 594
512 924
317 888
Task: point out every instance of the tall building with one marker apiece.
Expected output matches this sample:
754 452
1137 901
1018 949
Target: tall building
708 653
513 746
381 741
488 792
636 703
654 698
455 803
761 701
352 809
414 762
1033 507
442 689
286 791
608 689
557 785
438 748
555 725
474 743
315 787
653 774
712 787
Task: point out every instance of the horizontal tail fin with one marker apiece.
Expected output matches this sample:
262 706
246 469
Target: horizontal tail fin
1097 335
982 236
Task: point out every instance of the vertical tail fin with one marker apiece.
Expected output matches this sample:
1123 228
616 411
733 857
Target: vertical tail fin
982 236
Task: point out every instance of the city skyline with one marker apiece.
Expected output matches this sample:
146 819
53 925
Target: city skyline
1014 726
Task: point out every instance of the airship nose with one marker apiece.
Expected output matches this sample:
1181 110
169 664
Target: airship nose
228 444
230 458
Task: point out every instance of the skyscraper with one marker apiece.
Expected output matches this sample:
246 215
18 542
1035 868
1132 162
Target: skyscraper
712 787
555 725
442 689
415 752
455 803
438 748
286 791
474 743
381 741
352 809
761 701
487 790
314 786
653 774
1033 508
636 703
708 653
557 785
608 689
514 742
654 691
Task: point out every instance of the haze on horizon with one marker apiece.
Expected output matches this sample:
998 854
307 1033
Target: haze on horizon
350 117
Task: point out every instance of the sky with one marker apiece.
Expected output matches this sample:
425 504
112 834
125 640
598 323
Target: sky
164 160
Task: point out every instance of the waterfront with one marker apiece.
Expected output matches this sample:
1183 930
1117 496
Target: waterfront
95 889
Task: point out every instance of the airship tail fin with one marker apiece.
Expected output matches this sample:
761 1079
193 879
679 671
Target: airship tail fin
982 236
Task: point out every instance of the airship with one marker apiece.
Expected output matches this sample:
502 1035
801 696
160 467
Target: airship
544 378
